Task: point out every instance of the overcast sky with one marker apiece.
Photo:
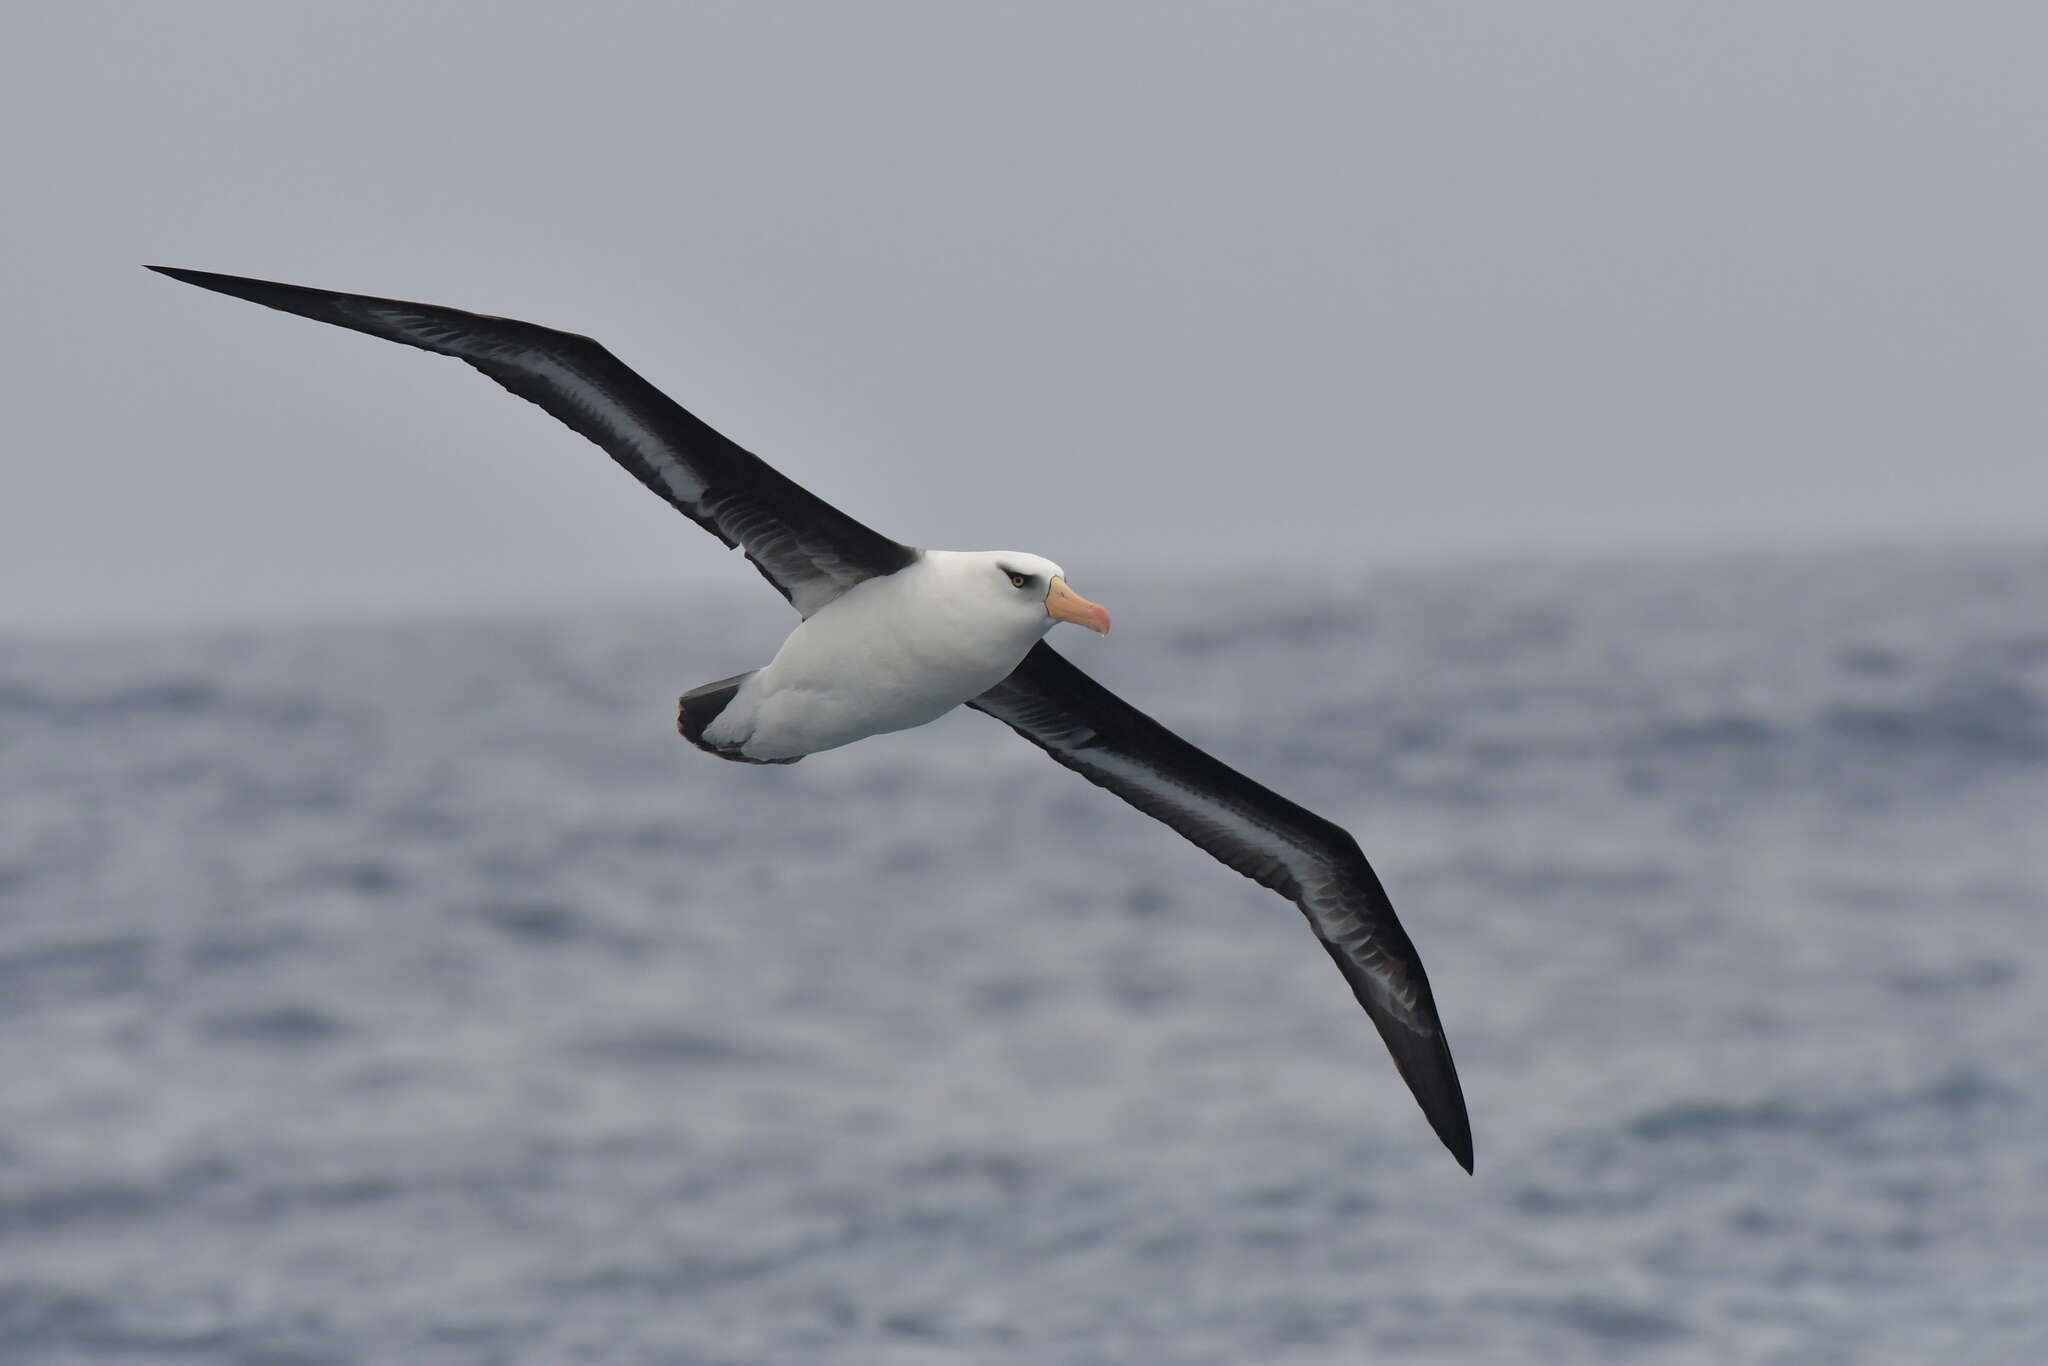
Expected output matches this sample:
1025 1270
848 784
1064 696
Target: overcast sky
1108 282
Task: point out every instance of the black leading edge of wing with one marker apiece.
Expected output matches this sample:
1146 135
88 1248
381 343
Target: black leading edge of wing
1293 851
808 549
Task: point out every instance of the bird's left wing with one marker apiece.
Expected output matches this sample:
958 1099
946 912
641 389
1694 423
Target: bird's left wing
811 551
1308 860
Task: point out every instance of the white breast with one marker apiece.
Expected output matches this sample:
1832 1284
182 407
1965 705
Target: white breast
890 653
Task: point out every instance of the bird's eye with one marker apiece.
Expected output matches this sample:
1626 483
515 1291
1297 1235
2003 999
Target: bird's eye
1018 580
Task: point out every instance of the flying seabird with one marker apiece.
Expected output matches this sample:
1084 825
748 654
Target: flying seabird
893 636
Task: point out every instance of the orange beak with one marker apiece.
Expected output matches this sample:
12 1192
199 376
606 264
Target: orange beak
1064 604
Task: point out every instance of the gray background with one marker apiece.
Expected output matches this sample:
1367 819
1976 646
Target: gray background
1140 282
1632 414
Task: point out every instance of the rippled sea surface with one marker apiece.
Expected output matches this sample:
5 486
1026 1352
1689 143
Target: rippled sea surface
409 993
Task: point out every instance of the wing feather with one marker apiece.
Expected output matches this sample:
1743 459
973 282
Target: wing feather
1310 861
808 549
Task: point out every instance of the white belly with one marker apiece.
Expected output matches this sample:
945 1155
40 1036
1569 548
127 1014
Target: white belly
888 655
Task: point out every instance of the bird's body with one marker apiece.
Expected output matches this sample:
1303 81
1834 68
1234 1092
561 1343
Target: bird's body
890 653
893 637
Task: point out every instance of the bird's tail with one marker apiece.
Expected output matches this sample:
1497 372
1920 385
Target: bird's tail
700 706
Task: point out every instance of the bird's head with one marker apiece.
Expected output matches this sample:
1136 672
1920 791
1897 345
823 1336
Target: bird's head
1032 589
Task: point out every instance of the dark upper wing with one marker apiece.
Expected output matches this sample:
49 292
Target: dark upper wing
803 545
1261 834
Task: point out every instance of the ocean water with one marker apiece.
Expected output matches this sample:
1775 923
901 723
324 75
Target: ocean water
407 992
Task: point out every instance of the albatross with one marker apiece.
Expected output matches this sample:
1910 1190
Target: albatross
891 636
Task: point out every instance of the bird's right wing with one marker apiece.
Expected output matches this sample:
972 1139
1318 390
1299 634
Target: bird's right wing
1308 860
811 551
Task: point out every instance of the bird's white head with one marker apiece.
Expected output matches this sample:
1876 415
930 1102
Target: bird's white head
1029 589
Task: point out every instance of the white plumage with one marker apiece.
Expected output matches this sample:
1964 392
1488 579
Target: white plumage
891 653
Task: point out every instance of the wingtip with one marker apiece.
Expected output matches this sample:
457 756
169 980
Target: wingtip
1448 1116
1421 1053
1425 1064
318 304
207 279
1463 1152
1451 1122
